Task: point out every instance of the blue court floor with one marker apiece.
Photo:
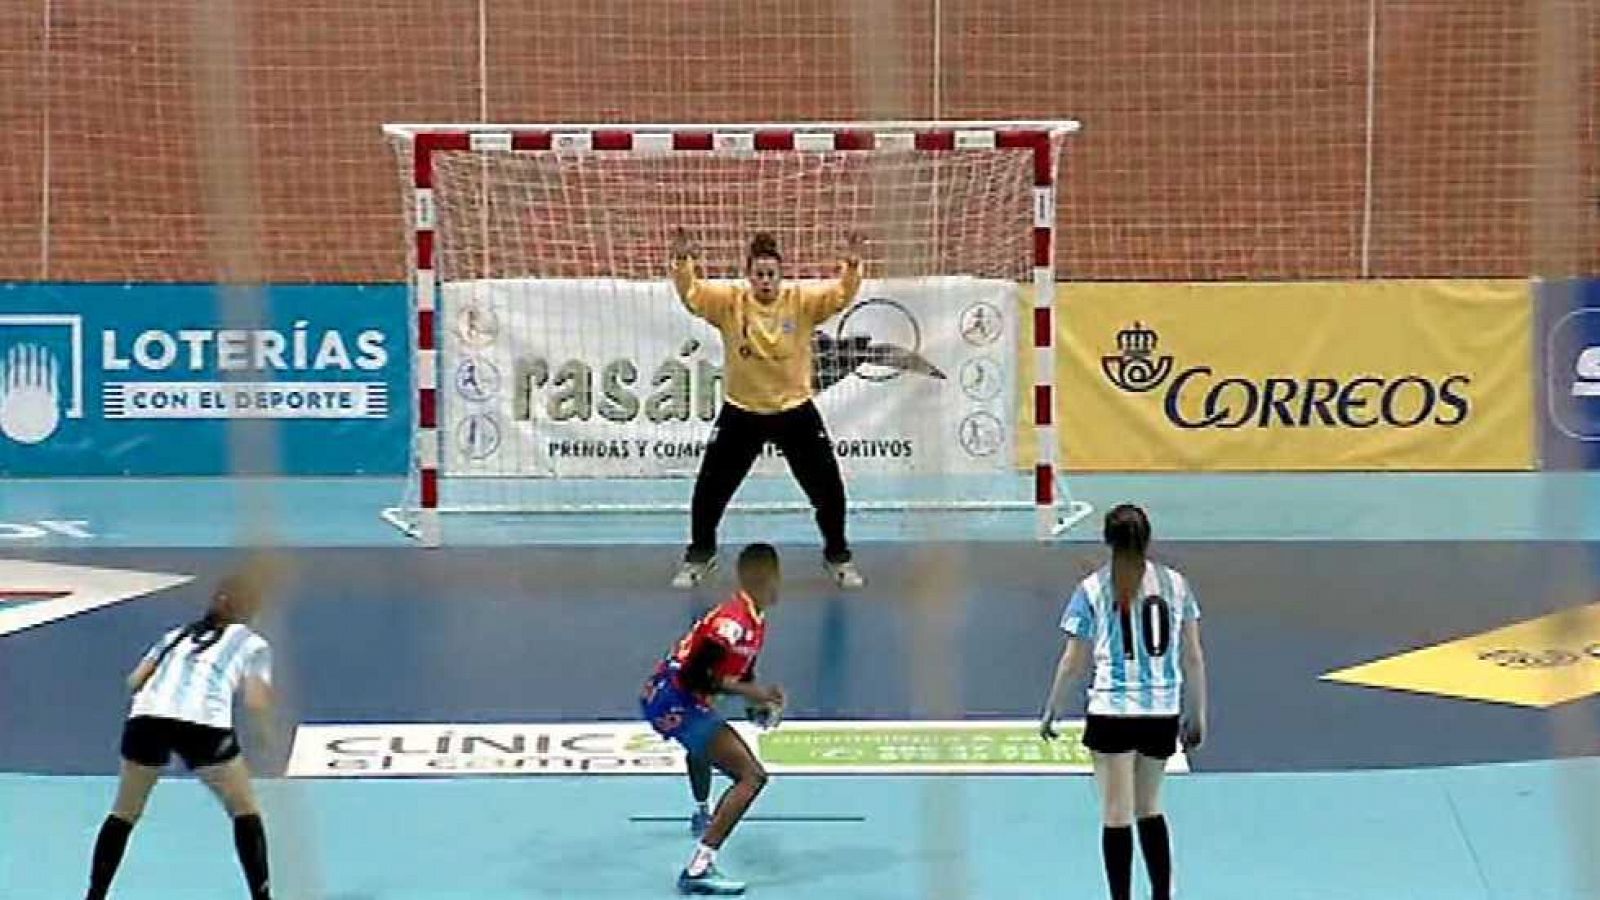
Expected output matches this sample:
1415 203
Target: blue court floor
1306 788
1400 506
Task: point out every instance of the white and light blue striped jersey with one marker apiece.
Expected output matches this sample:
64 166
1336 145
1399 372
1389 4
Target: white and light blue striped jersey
1137 651
197 679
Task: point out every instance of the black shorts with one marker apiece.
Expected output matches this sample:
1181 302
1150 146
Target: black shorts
151 741
1152 736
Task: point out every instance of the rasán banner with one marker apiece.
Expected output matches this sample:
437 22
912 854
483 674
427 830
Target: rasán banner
609 378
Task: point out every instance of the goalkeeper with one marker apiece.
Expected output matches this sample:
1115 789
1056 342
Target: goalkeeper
766 331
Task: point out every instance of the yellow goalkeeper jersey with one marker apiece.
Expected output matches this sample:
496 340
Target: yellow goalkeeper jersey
766 347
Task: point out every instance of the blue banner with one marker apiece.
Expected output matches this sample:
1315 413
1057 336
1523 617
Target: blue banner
1570 365
157 380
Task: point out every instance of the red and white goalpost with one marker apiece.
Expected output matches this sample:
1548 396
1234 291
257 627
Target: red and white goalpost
555 371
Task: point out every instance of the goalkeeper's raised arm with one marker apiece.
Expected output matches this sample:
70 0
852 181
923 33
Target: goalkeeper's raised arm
766 329
708 300
712 301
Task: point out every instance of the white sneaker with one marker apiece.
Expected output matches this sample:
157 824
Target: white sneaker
691 573
845 574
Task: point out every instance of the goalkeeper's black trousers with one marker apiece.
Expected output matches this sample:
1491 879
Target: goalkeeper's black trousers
737 442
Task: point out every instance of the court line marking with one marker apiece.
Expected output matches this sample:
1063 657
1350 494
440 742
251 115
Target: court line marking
62 591
779 817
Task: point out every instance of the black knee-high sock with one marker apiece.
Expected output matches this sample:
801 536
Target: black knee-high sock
250 839
108 849
1157 850
1116 845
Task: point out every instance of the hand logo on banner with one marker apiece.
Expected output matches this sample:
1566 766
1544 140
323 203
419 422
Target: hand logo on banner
30 401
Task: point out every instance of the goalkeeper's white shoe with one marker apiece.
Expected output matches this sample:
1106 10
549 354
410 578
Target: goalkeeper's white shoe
692 574
845 574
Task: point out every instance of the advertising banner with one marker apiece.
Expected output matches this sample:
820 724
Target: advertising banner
1409 375
155 380
1569 363
956 747
608 378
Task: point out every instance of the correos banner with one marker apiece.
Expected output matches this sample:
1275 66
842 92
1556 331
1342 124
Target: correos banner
1415 375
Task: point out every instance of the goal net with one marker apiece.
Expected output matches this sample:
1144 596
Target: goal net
558 372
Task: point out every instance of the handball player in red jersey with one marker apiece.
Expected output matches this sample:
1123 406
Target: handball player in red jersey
718 656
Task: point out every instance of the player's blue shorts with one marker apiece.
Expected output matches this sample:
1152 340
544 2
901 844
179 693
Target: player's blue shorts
678 715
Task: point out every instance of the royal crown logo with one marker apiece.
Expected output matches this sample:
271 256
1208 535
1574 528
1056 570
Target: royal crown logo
1135 368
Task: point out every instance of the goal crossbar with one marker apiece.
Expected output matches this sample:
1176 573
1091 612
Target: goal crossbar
1054 126
1055 510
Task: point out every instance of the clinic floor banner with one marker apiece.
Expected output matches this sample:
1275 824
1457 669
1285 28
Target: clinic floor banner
1410 375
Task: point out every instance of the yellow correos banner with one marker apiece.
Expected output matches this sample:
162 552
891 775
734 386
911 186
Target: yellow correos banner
1421 375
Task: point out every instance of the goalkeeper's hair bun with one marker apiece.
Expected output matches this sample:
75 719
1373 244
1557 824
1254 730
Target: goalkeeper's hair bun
763 243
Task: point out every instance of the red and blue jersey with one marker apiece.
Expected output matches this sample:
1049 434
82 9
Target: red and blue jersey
724 642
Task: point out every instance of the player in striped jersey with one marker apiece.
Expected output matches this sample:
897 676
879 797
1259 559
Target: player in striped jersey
183 696
1136 623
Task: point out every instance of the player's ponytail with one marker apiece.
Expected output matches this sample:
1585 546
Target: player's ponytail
205 630
1127 533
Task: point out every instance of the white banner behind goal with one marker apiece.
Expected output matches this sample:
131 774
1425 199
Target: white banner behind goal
613 378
